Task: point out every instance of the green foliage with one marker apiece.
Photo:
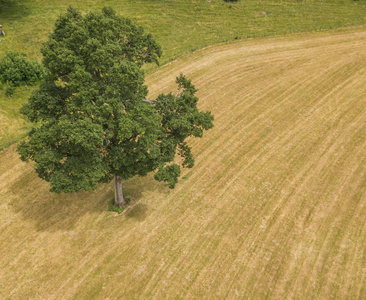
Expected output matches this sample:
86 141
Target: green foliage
180 119
10 88
91 117
16 69
168 174
115 208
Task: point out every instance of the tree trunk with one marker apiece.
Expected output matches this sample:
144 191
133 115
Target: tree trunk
118 194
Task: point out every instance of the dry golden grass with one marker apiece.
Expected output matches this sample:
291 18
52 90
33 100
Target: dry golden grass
275 206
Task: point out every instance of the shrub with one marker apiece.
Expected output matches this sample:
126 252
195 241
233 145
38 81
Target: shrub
114 208
16 69
10 88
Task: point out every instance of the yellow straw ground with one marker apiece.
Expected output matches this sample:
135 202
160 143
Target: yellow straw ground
275 205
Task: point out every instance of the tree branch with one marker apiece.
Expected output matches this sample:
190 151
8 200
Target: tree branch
150 100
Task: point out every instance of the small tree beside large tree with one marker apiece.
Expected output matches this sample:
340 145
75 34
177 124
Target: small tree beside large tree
92 121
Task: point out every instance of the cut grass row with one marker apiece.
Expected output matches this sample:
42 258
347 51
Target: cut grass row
275 206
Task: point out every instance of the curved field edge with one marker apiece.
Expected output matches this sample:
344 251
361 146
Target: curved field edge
275 206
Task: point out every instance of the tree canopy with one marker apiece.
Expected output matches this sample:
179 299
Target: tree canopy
92 121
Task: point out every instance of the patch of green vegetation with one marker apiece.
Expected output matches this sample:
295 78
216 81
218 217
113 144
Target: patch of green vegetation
115 208
16 70
181 25
13 126
12 141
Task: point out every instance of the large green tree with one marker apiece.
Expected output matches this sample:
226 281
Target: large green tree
92 121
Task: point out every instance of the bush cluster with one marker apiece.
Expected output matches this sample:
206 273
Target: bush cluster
16 70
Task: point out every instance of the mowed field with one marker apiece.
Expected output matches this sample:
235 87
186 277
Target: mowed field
274 207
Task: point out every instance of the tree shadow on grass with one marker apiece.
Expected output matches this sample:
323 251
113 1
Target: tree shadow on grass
32 200
137 212
14 9
138 188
